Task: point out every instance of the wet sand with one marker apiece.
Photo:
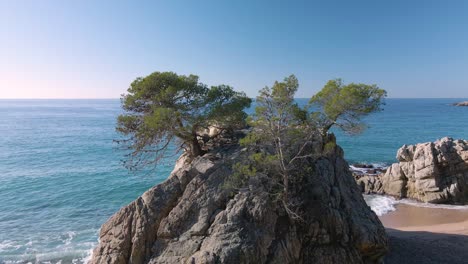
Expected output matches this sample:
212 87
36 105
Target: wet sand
427 235
414 218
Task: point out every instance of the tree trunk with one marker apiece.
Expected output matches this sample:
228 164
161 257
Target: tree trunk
195 149
286 188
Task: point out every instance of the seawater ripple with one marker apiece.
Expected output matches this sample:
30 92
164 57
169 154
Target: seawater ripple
61 176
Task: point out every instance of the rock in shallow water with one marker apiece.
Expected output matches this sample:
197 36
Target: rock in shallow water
433 172
465 103
192 218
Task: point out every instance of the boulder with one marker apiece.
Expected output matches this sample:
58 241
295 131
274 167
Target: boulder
433 172
192 217
370 184
465 103
363 166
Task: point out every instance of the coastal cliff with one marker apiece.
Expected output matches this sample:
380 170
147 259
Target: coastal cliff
192 217
433 172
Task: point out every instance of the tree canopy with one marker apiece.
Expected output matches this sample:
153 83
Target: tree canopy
165 107
344 105
284 136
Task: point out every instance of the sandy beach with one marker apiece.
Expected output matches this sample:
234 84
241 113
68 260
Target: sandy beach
427 235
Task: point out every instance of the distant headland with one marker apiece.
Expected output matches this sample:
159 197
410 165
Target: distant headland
465 103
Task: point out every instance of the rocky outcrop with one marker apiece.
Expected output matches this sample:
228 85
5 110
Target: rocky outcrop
465 103
193 217
369 183
368 177
433 172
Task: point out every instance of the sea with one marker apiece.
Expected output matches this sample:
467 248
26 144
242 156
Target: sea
61 175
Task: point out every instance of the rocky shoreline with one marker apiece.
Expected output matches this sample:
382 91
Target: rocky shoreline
432 172
193 218
366 169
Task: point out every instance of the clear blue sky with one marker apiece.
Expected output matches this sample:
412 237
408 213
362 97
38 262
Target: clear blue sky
94 49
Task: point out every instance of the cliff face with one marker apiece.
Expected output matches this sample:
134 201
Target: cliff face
434 172
192 218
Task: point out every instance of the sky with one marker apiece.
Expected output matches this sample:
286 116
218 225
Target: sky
95 49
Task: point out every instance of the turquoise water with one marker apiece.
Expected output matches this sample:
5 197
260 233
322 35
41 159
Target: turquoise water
61 177
405 121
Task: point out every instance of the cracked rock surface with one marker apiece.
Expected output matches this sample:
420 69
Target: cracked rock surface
432 172
192 218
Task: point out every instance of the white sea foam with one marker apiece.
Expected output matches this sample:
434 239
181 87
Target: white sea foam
375 165
88 257
429 205
378 166
69 238
63 254
363 170
381 204
8 245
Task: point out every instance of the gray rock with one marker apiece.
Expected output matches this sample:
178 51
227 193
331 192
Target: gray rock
193 218
433 172
370 184
465 103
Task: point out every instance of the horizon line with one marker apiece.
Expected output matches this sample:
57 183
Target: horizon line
118 98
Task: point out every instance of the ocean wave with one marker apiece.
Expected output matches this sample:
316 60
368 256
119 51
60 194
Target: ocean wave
375 165
382 204
69 237
85 259
429 205
371 170
8 245
67 256
52 249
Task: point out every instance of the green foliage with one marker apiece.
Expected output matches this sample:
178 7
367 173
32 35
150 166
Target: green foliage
239 177
284 136
276 106
165 106
329 146
250 139
280 139
254 163
345 105
278 121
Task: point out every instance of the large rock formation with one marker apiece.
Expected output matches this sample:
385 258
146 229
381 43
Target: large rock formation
192 217
433 172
